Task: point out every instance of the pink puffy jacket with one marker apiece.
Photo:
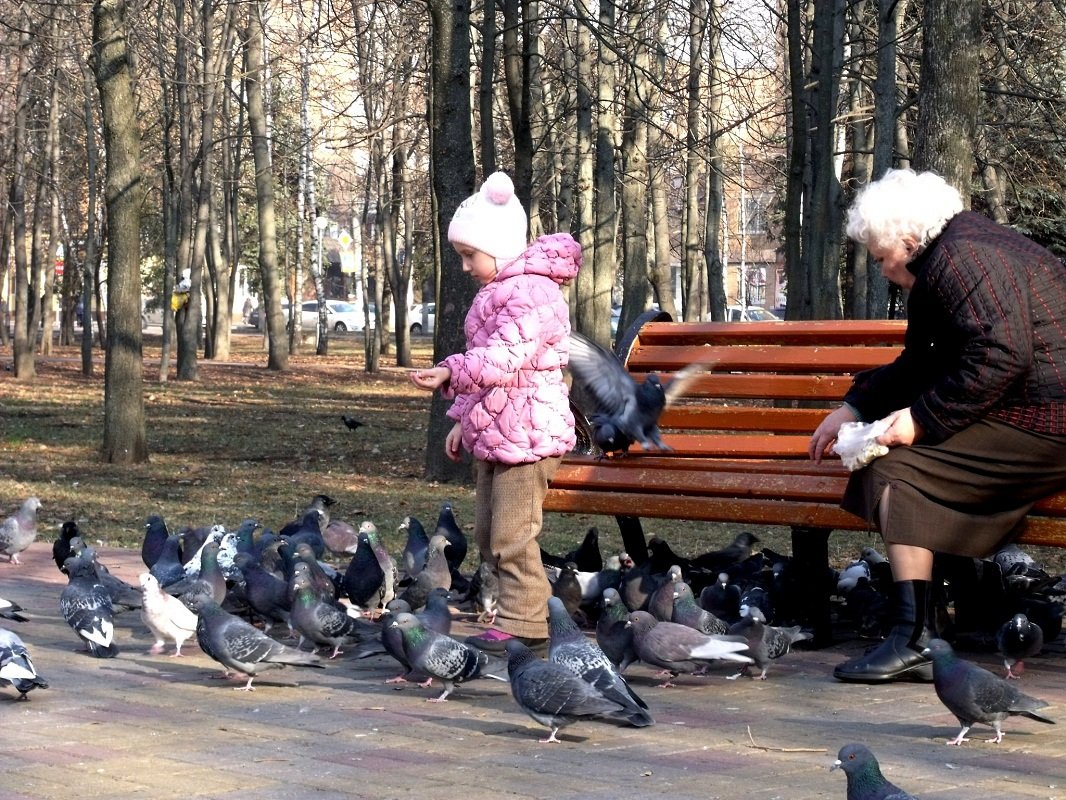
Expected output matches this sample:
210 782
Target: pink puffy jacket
508 386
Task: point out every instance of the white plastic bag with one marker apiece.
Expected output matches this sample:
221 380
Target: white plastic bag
856 443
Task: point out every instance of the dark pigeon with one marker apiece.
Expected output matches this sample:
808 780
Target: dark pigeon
310 532
974 694
364 579
168 568
677 648
765 642
551 694
351 423
865 781
442 657
208 578
323 622
740 549
613 634
450 530
586 555
320 503
16 667
61 546
416 548
687 612
155 535
570 648
238 646
266 594
10 610
722 598
567 588
626 412
1017 640
86 606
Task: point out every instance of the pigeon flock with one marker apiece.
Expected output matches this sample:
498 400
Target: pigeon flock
320 589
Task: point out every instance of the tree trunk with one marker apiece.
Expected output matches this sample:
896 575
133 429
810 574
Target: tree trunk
799 296
518 55
949 91
452 162
25 300
277 344
605 259
91 226
586 306
486 93
124 431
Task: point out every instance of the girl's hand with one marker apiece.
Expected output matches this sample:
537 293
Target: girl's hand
902 429
453 444
430 379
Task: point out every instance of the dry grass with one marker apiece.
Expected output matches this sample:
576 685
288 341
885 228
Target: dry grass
242 441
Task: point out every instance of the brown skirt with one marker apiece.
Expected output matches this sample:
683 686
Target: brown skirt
966 495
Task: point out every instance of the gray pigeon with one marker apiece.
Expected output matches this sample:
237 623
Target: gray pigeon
443 657
1017 640
974 694
340 537
567 588
165 616
416 548
86 606
687 612
10 610
765 642
16 667
238 646
613 634
435 575
488 593
18 531
570 648
320 620
551 694
677 648
661 602
124 597
626 412
865 781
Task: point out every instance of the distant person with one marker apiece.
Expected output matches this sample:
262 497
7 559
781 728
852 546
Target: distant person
511 408
247 310
976 402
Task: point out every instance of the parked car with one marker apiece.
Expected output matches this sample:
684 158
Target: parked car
341 316
422 317
750 314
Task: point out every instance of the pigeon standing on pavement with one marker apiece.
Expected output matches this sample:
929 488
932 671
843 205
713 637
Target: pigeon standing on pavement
687 612
973 694
450 530
765 642
677 648
320 620
16 667
488 593
165 615
570 648
86 606
238 646
444 658
613 633
1017 640
61 546
435 575
416 548
551 694
167 567
18 531
661 602
155 535
10 610
567 588
267 594
626 412
865 781
722 599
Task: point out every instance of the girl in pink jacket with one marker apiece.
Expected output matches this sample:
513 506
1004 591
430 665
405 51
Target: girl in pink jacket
511 406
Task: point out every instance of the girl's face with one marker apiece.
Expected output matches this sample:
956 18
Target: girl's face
894 258
480 265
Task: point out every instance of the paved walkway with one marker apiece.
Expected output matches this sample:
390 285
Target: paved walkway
143 726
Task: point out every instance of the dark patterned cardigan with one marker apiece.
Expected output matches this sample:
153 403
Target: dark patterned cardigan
986 336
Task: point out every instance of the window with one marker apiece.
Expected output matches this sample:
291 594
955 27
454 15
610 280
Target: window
755 214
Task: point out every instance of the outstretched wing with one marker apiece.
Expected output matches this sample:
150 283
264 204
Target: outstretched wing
682 380
603 375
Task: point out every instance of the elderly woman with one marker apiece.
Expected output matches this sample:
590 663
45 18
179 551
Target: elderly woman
975 403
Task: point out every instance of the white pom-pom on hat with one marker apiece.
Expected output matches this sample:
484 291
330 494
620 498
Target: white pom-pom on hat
492 220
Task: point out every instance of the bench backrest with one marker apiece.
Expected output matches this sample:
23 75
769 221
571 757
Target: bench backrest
768 384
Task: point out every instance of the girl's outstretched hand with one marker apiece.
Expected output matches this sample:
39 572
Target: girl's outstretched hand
430 379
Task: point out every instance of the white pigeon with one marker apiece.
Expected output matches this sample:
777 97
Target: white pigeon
165 615
18 531
16 667
192 566
851 574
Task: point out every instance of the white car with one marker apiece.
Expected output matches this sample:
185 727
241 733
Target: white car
750 314
421 318
341 316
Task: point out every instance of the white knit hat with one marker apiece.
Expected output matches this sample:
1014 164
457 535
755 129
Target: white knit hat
492 220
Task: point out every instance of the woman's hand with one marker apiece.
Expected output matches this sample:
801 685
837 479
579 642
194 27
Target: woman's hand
825 435
902 429
453 444
430 379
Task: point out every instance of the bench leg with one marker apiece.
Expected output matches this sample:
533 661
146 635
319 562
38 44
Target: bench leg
633 538
810 551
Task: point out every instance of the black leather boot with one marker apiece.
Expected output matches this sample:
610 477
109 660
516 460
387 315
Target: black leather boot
899 656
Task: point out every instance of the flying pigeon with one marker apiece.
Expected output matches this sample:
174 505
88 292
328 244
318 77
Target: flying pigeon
238 646
443 657
551 694
613 634
16 667
86 606
974 694
1017 640
9 610
570 648
865 781
18 531
626 412
765 642
165 615
677 648
740 549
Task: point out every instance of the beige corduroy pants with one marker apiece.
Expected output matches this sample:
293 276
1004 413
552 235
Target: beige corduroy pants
508 512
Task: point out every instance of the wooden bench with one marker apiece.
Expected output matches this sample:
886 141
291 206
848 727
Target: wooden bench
740 438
